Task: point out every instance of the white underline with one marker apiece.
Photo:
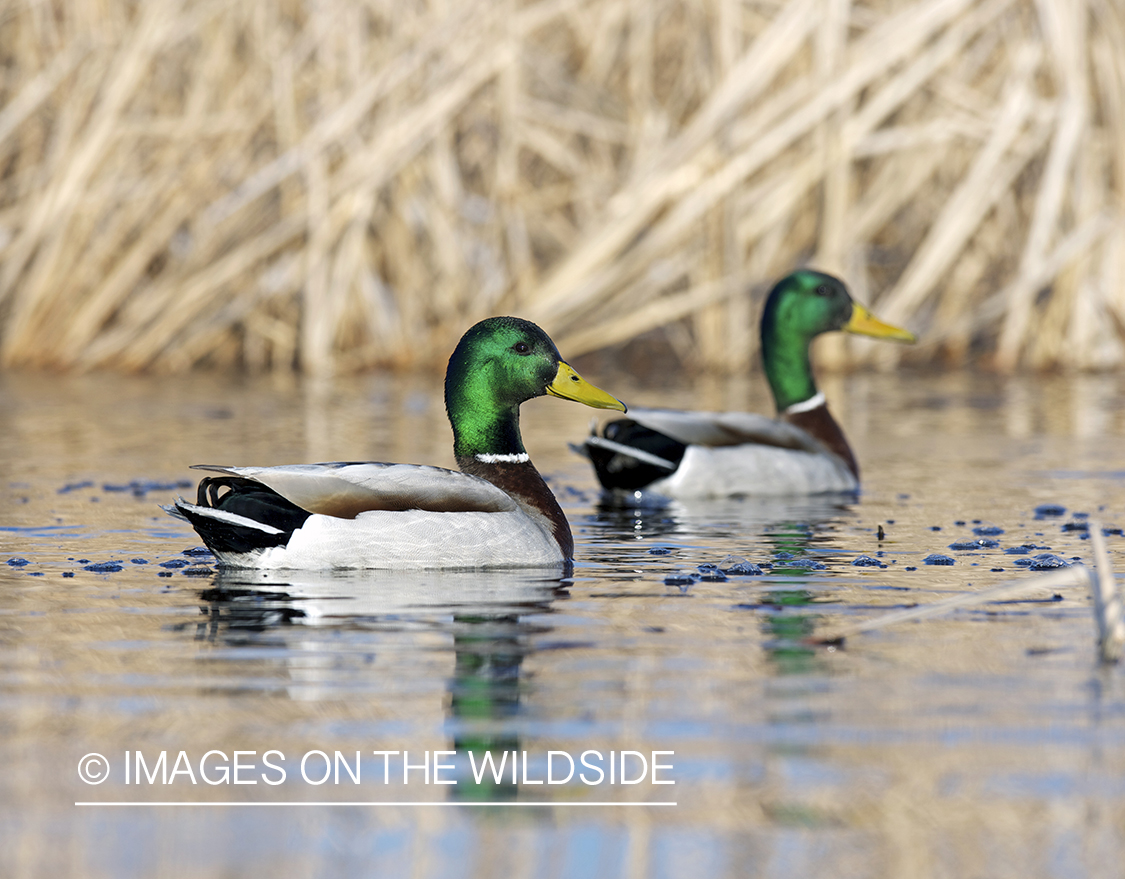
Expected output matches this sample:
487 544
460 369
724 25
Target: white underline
519 458
525 803
805 405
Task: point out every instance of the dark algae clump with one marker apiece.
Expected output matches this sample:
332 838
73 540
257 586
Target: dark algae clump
1045 561
979 543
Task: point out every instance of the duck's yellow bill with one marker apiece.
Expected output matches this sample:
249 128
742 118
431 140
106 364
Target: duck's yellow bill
865 323
569 385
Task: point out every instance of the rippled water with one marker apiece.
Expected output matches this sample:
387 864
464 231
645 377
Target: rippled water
986 742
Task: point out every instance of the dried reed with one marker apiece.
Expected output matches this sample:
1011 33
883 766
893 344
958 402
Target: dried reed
336 185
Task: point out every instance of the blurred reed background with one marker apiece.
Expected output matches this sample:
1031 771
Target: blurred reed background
340 184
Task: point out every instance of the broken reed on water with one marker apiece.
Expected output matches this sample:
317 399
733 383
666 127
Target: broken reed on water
340 185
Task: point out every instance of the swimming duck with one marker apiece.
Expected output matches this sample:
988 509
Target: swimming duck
496 512
725 454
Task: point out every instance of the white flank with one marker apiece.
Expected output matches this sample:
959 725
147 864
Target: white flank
811 403
413 539
520 458
754 471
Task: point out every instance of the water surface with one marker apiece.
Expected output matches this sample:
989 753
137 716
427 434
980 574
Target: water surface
986 742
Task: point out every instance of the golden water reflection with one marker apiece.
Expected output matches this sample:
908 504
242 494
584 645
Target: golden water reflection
983 743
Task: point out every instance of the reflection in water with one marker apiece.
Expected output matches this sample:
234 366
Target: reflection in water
791 527
648 517
983 742
788 634
485 693
486 618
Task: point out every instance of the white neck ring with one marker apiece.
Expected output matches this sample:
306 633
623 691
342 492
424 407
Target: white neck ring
518 458
813 402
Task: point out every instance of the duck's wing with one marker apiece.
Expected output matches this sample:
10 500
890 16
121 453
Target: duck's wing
346 489
725 429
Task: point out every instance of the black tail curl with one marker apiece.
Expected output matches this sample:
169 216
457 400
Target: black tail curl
617 470
251 500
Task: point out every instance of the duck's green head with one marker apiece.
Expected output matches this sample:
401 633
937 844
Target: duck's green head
498 364
800 307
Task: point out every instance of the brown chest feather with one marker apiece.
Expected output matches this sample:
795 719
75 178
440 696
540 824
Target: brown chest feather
523 483
819 423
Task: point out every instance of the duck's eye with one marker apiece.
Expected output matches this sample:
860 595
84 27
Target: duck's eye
822 290
521 348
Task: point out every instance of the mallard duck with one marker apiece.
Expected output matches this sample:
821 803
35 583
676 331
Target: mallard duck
496 512
725 454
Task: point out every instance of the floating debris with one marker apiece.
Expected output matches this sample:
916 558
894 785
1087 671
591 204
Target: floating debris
979 543
680 579
198 571
1074 576
736 565
711 573
1109 614
880 533
175 563
660 550
17 562
104 567
139 561
865 561
938 559
1045 561
988 531
1079 525
141 487
75 486
68 573
1044 511
197 551
807 564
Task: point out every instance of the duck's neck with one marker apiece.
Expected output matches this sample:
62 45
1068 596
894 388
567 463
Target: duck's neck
785 359
488 445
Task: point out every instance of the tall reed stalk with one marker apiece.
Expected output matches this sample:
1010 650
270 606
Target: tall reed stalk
335 185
